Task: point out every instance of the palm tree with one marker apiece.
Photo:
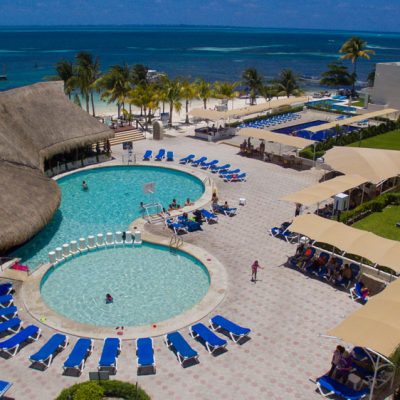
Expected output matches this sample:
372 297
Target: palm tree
287 84
115 85
337 75
189 92
226 90
139 74
65 71
173 94
86 73
353 49
253 80
204 91
145 97
268 92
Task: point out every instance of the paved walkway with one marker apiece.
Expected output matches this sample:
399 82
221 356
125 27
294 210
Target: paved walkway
285 310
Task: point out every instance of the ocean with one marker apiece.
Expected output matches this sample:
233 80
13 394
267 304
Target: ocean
28 54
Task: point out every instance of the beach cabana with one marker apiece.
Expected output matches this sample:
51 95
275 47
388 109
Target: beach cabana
375 326
325 190
287 140
378 250
352 120
37 122
375 165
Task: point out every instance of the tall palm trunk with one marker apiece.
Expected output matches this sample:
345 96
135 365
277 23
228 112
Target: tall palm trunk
205 103
92 100
353 87
163 106
87 103
171 107
187 112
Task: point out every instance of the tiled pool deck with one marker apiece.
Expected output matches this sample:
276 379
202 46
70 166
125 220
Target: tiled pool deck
286 311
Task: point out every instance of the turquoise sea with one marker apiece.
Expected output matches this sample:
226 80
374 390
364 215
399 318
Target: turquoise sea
216 53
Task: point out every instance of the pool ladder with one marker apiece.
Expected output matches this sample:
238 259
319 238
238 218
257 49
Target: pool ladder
174 244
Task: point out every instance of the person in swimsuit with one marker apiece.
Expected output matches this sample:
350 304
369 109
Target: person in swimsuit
109 298
254 269
85 186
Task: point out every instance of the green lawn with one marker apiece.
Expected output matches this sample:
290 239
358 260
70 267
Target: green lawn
358 103
388 141
382 223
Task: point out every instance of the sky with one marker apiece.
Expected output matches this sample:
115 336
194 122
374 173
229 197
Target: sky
371 15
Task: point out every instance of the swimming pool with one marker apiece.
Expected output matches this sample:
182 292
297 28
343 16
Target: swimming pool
110 204
332 104
148 285
301 130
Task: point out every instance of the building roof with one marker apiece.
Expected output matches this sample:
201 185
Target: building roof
381 251
37 122
375 165
325 190
352 120
287 140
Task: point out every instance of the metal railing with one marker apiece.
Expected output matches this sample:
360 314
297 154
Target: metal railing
4 260
175 242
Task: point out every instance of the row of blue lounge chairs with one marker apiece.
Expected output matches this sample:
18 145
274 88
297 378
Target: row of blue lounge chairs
184 225
271 121
111 350
169 155
224 171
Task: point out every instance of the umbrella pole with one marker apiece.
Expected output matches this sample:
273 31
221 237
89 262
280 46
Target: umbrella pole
374 379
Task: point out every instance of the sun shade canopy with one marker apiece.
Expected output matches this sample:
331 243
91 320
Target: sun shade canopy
325 190
281 138
376 325
381 251
352 120
212 115
373 164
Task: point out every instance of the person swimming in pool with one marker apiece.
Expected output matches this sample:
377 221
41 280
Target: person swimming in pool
109 298
85 185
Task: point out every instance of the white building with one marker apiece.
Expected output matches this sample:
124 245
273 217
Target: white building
386 90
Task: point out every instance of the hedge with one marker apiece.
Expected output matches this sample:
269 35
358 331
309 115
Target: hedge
375 205
96 390
347 138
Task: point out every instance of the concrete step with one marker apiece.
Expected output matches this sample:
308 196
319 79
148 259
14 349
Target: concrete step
132 135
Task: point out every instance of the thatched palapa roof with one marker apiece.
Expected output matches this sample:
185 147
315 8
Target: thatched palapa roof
36 122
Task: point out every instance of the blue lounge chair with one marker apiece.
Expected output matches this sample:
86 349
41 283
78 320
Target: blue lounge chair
170 156
230 211
209 216
235 332
190 225
235 177
177 227
109 355
12 345
13 325
8 312
57 343
4 386
355 293
229 172
147 155
199 161
284 233
214 168
160 155
5 288
77 358
187 159
209 164
210 339
182 348
6 301
145 354
328 386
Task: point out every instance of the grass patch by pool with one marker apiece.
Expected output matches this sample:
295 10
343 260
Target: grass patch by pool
382 223
388 141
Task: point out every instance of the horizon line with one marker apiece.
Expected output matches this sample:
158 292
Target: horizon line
193 26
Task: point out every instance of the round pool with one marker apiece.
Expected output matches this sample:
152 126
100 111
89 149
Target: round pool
148 285
110 204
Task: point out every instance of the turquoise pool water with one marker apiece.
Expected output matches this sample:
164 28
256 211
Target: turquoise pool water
110 204
148 284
